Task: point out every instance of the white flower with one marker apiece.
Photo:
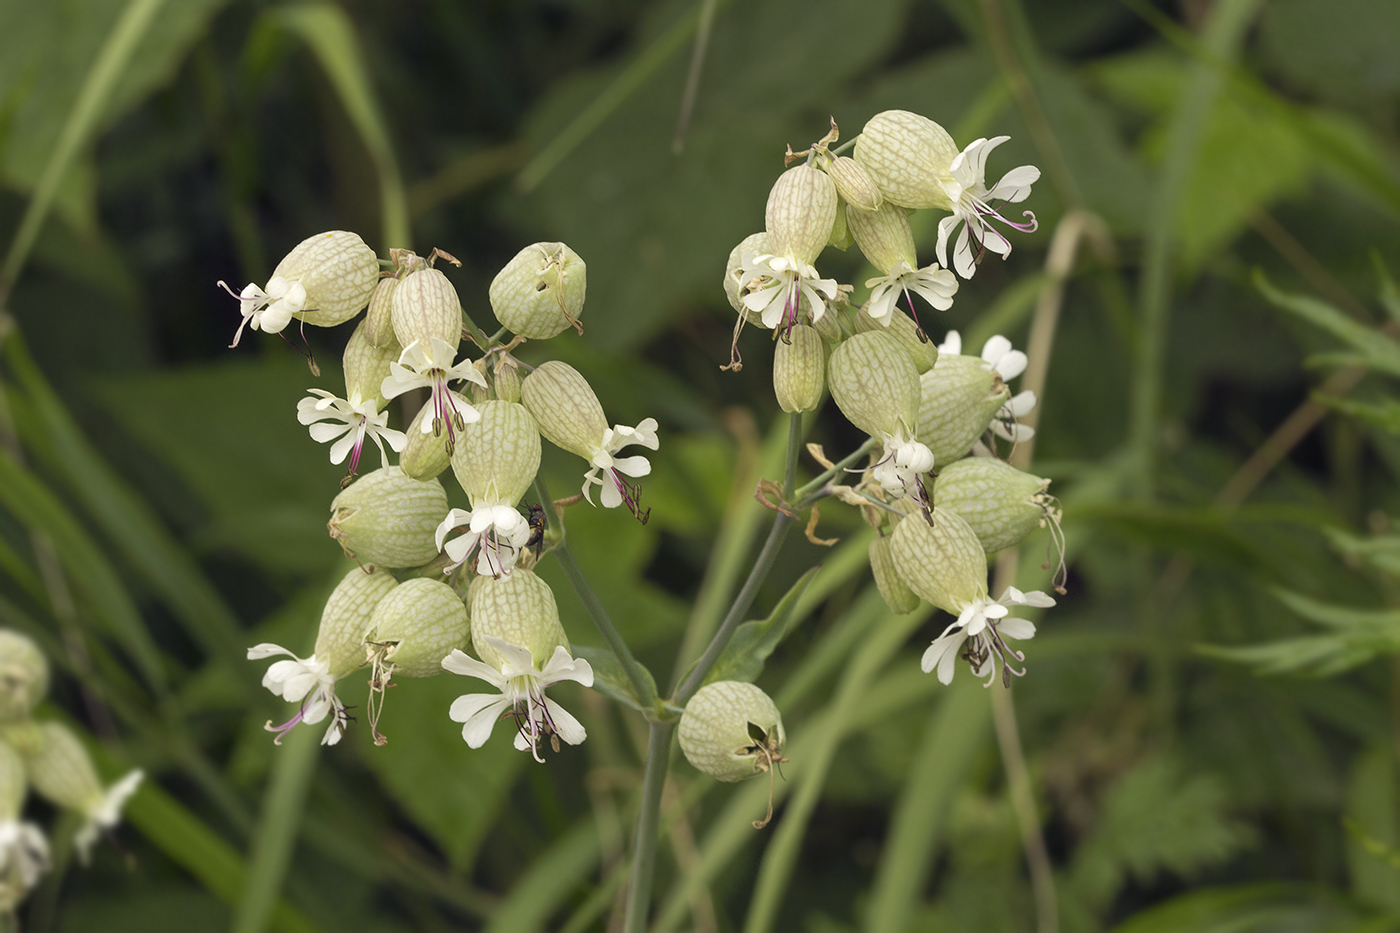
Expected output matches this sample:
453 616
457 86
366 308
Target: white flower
1007 364
268 311
616 490
972 206
307 682
106 813
935 284
24 853
330 417
497 527
780 283
983 628
431 367
522 692
902 468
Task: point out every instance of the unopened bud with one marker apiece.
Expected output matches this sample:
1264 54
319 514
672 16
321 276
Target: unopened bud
426 455
895 591
346 619
731 730
507 379
943 562
799 369
884 236
497 456
337 270
367 365
13 783
854 184
875 384
540 292
24 675
379 319
519 609
388 518
908 156
426 306
61 770
922 353
999 502
564 407
801 211
414 627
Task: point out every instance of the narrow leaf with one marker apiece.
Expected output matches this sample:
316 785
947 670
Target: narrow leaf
752 642
609 678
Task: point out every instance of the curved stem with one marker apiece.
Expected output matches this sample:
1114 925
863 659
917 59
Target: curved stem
822 479
641 683
764 563
648 821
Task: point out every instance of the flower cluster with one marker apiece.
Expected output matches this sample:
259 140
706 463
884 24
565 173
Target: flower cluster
927 408
403 611
49 758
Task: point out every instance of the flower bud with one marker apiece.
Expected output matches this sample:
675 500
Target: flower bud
801 212
895 591
379 319
426 306
519 609
366 366
389 519
840 231
565 409
999 502
942 562
959 397
498 455
799 369
426 456
24 675
540 292
506 379
854 184
61 770
755 244
346 618
13 783
884 236
414 627
337 270
922 353
731 730
874 384
909 156
829 328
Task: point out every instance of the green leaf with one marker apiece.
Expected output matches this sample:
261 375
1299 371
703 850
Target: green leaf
123 516
549 881
1384 414
1242 909
88 570
1377 350
609 677
1156 819
1380 551
1377 621
1373 810
752 642
330 35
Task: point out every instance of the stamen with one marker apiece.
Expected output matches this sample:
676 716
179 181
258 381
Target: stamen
631 496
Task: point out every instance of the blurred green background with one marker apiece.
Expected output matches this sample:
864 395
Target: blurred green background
1211 721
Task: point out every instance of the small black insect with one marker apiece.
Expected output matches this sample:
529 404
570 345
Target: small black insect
536 521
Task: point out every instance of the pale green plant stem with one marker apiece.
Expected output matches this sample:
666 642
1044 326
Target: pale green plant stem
831 473
106 70
659 740
1223 34
279 824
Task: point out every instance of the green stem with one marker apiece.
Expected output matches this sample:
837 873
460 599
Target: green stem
648 821
801 494
781 523
646 693
846 146
1222 38
477 334
278 828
